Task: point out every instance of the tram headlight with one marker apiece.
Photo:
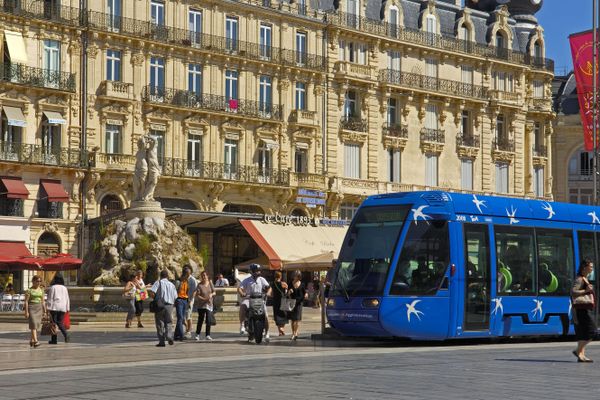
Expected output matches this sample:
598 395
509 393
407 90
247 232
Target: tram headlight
370 303
330 302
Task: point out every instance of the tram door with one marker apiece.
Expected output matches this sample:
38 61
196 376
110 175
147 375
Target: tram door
477 277
588 248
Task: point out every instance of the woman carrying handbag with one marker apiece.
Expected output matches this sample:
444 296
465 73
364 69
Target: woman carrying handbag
279 293
584 302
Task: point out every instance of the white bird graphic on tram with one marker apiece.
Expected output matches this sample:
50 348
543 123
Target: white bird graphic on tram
548 207
478 203
418 213
538 307
410 309
498 306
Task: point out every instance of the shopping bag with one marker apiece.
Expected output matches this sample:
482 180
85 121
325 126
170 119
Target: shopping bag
49 328
67 320
287 304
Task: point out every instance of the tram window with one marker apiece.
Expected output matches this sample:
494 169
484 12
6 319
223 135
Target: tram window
555 261
586 250
424 258
515 261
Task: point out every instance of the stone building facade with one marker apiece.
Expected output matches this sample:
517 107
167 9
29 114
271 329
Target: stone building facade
253 101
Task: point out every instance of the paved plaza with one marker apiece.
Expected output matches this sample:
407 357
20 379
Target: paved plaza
115 363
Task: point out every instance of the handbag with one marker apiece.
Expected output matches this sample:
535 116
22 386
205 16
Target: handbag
49 328
67 320
157 304
287 304
210 318
584 301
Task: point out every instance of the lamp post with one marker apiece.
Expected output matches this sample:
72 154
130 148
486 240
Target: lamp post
595 94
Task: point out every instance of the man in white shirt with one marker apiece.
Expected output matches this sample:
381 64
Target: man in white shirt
164 318
221 282
253 284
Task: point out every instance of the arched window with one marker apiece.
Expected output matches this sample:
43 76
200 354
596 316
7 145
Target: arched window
48 245
110 203
298 212
537 50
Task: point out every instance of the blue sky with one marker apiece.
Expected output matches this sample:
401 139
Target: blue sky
560 18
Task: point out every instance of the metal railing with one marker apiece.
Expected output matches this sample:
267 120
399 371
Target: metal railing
430 83
204 41
37 154
442 42
396 130
433 135
12 207
463 140
39 9
50 209
353 124
38 77
503 144
204 101
540 150
217 171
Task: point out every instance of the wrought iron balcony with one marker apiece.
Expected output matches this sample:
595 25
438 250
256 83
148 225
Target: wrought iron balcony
540 150
503 144
217 171
354 124
429 83
203 101
449 43
50 209
37 77
39 9
36 154
203 41
463 140
433 135
11 207
396 130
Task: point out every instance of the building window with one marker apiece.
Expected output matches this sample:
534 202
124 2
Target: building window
537 51
264 161
352 161
430 24
10 140
431 67
502 178
465 33
500 41
350 110
300 96
195 26
157 13
538 137
265 94
466 174
301 161
538 89
301 48
465 124
393 22
352 13
113 139
231 86
265 41
194 153
230 160
159 138
431 116
9 205
113 65
394 60
362 54
394 161
431 170
51 63
466 74
500 127
51 143
391 112
347 210
113 9
195 79
109 204
538 181
231 33
157 77
503 81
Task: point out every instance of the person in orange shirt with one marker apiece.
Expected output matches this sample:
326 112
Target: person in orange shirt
182 302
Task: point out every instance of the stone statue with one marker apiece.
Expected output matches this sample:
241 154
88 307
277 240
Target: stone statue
154 169
141 171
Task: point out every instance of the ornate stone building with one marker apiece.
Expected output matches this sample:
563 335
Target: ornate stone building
254 102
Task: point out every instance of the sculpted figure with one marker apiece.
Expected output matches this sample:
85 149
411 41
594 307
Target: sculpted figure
141 171
154 169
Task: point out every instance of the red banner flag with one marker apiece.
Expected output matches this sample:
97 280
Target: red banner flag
582 51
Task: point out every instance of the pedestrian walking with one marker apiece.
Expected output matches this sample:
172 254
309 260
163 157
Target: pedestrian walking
129 295
58 304
35 309
297 291
584 302
279 291
165 291
192 285
141 294
204 300
182 301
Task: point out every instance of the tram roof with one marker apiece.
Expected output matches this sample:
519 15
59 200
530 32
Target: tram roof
440 202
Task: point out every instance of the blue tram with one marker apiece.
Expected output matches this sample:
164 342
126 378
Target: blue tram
435 265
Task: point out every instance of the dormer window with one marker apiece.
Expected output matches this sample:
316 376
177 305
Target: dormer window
537 50
500 41
393 21
430 24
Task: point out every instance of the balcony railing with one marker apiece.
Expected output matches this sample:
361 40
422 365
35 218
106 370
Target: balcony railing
452 44
540 151
11 207
433 135
503 144
429 83
39 9
501 95
203 41
303 117
118 89
203 101
355 70
37 77
306 180
36 154
353 124
396 130
217 171
463 140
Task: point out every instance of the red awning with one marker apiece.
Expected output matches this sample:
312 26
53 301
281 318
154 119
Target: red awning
61 262
12 250
274 259
15 188
55 191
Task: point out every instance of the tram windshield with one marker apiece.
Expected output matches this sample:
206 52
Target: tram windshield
368 249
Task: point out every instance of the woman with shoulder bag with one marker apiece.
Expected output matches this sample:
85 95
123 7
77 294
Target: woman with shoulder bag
278 292
584 302
205 292
129 295
297 292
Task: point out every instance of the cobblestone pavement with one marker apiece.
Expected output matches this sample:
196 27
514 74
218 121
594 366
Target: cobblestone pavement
110 363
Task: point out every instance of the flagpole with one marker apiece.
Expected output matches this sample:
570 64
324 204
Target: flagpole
594 101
